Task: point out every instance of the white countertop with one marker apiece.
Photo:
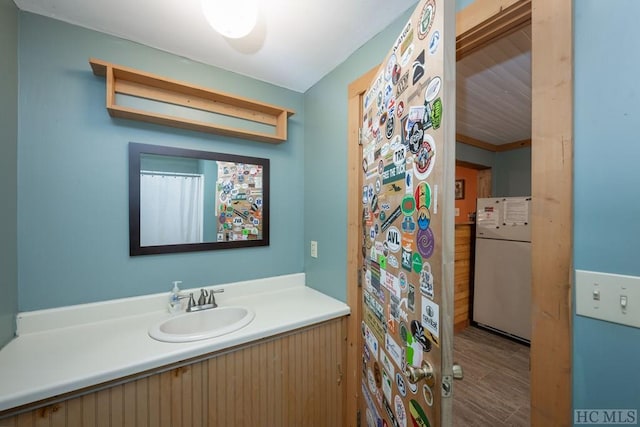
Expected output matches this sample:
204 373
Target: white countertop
69 348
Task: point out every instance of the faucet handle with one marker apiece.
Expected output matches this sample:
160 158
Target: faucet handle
203 297
212 299
192 302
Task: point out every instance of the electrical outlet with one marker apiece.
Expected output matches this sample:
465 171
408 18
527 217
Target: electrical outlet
611 297
314 249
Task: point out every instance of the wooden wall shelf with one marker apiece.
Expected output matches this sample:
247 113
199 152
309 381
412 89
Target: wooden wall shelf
128 81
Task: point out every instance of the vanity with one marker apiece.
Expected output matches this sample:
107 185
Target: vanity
95 364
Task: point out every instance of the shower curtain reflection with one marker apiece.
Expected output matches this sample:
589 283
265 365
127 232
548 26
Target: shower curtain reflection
171 208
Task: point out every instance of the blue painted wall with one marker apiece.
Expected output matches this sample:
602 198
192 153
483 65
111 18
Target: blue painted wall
512 173
325 203
606 193
72 163
8 169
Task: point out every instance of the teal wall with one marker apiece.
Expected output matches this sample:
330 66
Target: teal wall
512 173
606 193
8 169
73 176
325 203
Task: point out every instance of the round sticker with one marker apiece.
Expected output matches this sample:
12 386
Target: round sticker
425 158
417 262
383 118
426 19
416 137
388 71
401 413
433 88
390 127
422 195
424 218
408 205
425 242
395 74
400 110
402 388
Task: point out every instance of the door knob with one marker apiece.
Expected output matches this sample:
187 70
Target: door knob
415 374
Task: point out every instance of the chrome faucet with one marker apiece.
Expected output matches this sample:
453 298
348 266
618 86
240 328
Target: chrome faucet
205 301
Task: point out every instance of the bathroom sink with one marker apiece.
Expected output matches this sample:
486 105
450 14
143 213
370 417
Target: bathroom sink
201 325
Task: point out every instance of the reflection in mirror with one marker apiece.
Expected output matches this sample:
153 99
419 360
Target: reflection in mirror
184 200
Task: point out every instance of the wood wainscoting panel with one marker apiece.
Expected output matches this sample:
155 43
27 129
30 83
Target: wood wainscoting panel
462 276
295 379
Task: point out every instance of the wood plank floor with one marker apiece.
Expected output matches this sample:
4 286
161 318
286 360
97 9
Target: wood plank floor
495 390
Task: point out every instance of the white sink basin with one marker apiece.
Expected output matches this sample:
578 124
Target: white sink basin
201 325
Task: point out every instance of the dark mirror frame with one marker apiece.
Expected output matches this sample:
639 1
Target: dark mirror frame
137 150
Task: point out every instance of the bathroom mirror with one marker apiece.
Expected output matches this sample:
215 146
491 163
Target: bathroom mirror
186 200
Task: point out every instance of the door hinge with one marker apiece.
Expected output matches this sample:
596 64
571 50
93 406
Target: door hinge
358 418
359 136
359 279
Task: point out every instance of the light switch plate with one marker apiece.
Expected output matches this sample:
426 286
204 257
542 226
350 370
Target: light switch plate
604 296
314 249
457 211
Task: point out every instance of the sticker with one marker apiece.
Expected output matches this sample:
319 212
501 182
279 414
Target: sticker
426 19
400 110
414 351
383 119
371 381
386 385
434 42
418 416
402 280
401 413
392 417
372 304
380 167
406 258
426 280
376 326
386 363
418 68
408 224
417 262
394 215
399 155
412 387
389 68
390 127
411 298
395 74
408 182
377 376
433 88
424 218
406 56
370 340
416 138
400 383
431 318
392 173
425 242
382 260
436 113
402 85
422 195
427 394
371 406
394 350
425 158
393 261
418 336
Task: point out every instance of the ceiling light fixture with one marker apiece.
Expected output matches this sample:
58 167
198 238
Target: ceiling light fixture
231 18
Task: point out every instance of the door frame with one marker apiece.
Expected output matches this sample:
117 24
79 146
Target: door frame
479 24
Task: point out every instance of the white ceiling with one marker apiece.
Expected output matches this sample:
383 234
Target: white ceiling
493 92
295 44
